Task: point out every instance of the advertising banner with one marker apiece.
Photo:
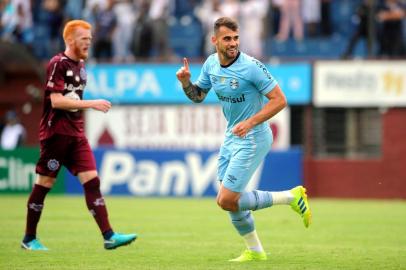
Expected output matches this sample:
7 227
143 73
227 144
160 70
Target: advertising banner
183 173
17 171
157 83
197 127
359 83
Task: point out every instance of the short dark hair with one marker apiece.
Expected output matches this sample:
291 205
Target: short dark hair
227 22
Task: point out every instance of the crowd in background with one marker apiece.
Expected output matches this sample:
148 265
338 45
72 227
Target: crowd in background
140 30
125 30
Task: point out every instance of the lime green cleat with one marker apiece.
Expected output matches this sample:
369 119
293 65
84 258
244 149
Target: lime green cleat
249 255
300 204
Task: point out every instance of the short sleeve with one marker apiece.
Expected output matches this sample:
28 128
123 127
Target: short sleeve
261 78
56 74
204 79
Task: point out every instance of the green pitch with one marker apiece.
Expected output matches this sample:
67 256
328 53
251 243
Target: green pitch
194 234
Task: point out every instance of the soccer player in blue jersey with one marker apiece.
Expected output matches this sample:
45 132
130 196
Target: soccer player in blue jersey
240 82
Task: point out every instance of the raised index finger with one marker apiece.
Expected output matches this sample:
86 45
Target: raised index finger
185 63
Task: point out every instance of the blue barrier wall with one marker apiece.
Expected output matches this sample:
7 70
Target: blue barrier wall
157 84
183 173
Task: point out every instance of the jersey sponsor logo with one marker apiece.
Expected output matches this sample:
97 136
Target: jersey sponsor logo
165 173
234 84
53 164
231 99
70 87
262 67
73 96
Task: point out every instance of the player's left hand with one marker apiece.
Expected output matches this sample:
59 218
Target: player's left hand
242 128
183 74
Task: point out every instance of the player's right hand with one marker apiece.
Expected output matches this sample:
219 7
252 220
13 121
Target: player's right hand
101 105
183 74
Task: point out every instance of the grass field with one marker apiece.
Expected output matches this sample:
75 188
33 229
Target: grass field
195 234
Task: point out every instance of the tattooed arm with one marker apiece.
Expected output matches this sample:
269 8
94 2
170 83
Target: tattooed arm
193 92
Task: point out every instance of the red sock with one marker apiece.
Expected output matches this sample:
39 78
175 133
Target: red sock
34 208
95 204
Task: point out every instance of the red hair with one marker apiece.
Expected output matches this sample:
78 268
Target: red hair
71 26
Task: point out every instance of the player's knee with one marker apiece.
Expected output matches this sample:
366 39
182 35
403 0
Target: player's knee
88 176
227 204
45 181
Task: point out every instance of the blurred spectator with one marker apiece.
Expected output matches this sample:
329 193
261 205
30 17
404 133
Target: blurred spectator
362 19
73 9
123 34
17 22
275 16
3 5
105 25
159 12
13 133
143 32
311 16
230 8
48 19
325 17
90 4
208 12
291 17
252 14
92 7
390 33
184 8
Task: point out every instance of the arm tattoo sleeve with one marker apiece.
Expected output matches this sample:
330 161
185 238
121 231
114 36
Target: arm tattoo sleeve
194 93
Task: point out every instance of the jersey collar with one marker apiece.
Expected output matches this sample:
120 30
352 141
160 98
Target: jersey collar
64 54
232 62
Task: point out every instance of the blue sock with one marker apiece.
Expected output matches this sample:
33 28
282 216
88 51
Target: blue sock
243 221
254 200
